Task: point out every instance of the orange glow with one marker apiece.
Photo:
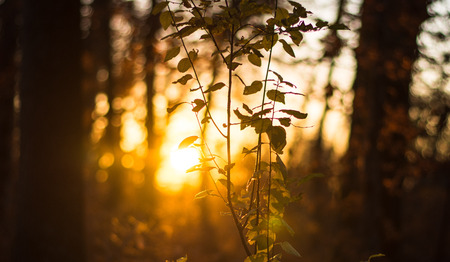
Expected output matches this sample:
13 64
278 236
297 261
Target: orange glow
172 177
106 160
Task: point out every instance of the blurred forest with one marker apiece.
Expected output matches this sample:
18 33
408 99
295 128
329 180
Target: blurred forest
87 171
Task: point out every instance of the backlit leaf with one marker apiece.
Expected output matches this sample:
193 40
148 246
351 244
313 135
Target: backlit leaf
277 137
295 113
187 142
173 52
165 19
254 59
255 87
287 48
171 109
159 7
276 96
199 104
184 79
204 193
215 87
288 248
184 65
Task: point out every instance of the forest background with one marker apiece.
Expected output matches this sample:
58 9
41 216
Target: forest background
88 170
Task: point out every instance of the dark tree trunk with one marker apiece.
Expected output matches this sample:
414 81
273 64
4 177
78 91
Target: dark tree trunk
381 130
8 75
50 209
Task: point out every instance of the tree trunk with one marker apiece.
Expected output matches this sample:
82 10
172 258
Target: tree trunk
8 75
50 212
381 130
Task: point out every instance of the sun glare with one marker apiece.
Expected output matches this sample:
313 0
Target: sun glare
183 159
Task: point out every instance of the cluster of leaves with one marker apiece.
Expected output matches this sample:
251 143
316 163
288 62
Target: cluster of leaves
238 38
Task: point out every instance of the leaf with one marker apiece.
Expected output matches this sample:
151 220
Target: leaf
171 53
296 37
276 96
229 167
182 259
184 79
255 87
295 113
199 104
246 108
187 142
254 59
277 137
171 109
159 7
288 227
268 41
288 248
165 18
261 125
215 87
184 65
338 27
280 78
282 167
287 48
376 255
285 121
204 193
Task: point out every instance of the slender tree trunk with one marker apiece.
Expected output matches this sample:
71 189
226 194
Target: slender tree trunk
381 130
8 75
50 210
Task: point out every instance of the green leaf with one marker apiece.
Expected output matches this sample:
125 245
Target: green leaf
184 65
277 137
288 248
187 142
171 109
295 113
255 87
254 59
287 48
204 193
159 7
171 53
258 257
184 79
165 18
276 96
199 104
215 87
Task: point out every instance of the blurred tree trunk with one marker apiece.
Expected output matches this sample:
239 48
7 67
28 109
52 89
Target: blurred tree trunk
381 131
8 75
50 210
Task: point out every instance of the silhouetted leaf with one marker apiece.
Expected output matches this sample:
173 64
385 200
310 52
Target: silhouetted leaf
276 96
246 108
184 65
159 7
287 48
184 79
173 52
285 121
277 137
215 87
255 87
254 59
165 19
199 104
295 113
171 109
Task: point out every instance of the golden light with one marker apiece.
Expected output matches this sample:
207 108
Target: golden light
183 159
172 176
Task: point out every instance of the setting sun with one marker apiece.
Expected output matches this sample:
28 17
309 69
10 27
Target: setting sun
183 159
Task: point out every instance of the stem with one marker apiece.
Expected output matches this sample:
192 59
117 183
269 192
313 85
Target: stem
228 137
